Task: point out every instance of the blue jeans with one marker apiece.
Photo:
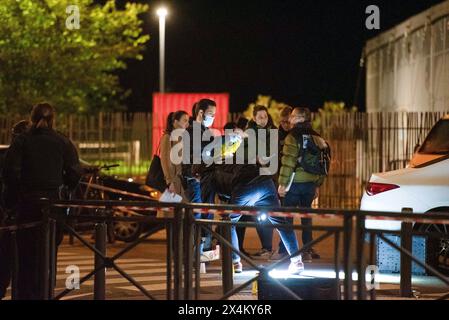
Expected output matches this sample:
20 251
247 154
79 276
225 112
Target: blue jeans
193 195
262 194
301 195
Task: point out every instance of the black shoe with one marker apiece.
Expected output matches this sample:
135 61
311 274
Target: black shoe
263 254
314 254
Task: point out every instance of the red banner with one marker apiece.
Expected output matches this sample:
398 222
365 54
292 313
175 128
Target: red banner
164 103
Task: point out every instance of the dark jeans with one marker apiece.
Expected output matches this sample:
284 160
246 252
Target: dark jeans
30 247
5 263
261 194
301 195
193 195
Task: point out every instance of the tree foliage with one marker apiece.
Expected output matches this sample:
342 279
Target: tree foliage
42 59
274 108
330 108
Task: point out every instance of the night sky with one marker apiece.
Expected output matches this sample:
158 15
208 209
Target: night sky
300 52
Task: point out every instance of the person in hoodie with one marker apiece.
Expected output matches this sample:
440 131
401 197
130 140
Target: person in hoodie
244 185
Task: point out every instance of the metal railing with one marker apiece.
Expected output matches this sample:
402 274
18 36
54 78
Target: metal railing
184 234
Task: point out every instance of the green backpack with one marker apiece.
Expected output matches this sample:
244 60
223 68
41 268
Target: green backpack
314 155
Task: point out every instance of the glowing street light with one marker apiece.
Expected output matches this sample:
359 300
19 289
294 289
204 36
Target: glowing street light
162 13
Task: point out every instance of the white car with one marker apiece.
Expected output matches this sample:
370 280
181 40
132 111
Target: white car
423 187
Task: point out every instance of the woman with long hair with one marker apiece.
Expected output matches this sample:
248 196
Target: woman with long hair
178 120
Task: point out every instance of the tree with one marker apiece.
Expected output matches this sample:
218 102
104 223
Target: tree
44 56
274 108
329 109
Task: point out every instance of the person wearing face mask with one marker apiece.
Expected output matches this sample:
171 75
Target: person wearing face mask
302 190
178 120
203 116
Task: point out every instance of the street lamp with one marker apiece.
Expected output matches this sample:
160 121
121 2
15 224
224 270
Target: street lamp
162 13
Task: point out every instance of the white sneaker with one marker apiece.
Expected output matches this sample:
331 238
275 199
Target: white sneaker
211 255
238 267
296 267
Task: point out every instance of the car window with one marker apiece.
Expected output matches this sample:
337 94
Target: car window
437 142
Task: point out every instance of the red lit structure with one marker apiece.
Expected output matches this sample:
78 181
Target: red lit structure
164 103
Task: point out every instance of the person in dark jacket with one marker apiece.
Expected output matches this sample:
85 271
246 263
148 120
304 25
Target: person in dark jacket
261 122
244 186
5 220
37 165
203 115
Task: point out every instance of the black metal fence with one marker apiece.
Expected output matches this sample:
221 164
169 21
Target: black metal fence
184 234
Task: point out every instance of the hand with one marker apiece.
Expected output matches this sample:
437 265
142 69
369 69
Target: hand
171 188
282 191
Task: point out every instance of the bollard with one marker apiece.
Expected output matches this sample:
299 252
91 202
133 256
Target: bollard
360 234
53 262
347 259
169 227
100 276
177 254
45 258
372 260
198 263
336 258
14 266
227 266
406 262
188 255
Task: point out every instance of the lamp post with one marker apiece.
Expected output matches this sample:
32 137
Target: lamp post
162 13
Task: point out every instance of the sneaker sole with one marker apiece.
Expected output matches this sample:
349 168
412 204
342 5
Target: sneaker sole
297 273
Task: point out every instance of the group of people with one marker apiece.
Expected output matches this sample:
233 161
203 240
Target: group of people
243 184
40 162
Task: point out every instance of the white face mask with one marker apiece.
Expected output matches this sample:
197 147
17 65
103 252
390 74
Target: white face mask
208 121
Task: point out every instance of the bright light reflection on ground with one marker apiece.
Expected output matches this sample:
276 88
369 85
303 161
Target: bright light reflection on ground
327 273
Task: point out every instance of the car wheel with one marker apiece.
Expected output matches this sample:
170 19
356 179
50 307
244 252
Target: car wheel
126 231
437 248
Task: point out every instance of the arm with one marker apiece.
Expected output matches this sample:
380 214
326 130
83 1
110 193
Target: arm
12 170
72 166
166 164
290 154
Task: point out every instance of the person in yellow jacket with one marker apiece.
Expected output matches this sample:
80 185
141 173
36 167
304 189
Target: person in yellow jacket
297 186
